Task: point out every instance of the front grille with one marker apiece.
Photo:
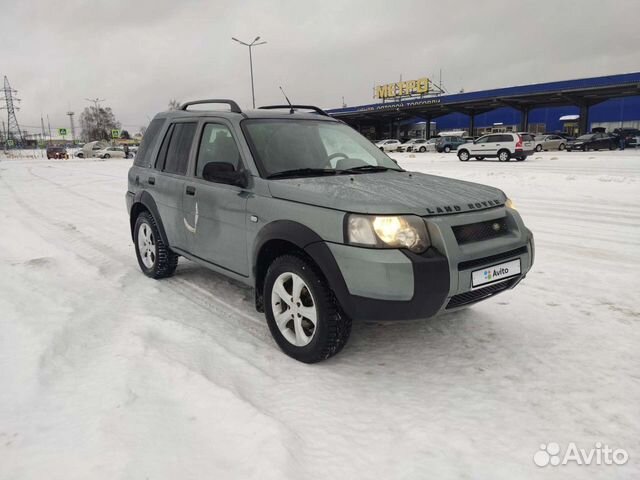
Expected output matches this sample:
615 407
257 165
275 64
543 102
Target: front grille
476 232
473 296
478 262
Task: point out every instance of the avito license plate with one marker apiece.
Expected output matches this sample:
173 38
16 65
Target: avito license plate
495 273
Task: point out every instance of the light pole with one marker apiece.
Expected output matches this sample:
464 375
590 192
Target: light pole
255 43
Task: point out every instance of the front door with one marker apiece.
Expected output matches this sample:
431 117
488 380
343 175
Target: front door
215 213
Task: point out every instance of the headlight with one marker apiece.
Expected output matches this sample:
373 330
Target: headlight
509 204
388 231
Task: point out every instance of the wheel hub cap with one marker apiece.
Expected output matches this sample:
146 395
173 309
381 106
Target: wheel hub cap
294 309
147 245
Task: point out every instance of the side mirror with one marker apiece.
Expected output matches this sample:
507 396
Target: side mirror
223 172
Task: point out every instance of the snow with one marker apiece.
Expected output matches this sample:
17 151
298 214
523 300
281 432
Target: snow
107 374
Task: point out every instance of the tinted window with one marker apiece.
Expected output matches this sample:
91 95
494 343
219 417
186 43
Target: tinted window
179 147
162 154
217 145
509 138
493 139
148 140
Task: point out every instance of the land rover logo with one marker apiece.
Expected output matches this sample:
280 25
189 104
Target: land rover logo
496 227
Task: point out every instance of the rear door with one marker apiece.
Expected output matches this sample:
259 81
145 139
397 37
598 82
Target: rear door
167 182
492 144
215 214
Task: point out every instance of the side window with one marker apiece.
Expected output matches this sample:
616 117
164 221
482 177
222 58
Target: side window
177 156
162 154
148 140
217 145
510 138
492 139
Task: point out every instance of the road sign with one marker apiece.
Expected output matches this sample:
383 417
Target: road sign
62 132
115 133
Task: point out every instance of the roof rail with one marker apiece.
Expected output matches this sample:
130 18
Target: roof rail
292 107
232 105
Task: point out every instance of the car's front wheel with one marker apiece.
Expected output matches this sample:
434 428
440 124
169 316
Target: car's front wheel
538 148
155 258
106 155
447 149
303 315
422 149
463 155
561 146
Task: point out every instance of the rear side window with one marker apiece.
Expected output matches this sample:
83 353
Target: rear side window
177 156
509 138
148 140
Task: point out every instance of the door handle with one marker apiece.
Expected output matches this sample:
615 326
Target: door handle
190 190
151 180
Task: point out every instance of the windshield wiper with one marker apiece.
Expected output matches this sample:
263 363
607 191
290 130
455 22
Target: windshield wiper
369 168
303 172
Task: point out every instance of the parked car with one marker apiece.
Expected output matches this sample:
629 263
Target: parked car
423 145
388 145
593 141
307 212
56 151
504 146
627 133
447 143
550 142
109 152
406 146
566 136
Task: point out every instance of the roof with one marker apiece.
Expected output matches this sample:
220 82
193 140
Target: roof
566 92
264 112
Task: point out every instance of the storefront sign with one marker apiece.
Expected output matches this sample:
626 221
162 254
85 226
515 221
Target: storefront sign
403 89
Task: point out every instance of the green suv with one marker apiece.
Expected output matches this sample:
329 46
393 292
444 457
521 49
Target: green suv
323 225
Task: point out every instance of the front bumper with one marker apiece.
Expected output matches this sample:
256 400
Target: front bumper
375 284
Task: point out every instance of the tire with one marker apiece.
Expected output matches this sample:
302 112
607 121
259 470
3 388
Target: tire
561 146
106 155
538 148
521 159
381 149
463 156
504 155
480 158
332 328
422 149
158 260
447 149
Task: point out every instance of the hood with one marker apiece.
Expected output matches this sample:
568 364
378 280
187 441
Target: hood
389 193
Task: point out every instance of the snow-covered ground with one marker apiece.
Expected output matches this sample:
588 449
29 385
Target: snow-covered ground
106 374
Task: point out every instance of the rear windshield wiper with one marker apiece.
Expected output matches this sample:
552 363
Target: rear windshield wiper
303 172
369 168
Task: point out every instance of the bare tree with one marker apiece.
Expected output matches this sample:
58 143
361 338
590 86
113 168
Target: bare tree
174 104
97 122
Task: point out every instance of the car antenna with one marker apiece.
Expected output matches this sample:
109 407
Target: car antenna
287 99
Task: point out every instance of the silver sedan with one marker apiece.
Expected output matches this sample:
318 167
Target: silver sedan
550 142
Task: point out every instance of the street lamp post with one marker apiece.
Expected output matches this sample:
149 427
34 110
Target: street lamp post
255 43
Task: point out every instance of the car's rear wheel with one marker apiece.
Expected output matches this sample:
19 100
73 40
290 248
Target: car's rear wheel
156 259
521 159
504 155
303 315
447 149
561 146
106 155
422 149
480 158
463 155
381 149
538 148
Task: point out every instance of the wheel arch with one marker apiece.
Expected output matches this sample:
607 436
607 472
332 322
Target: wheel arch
143 201
286 237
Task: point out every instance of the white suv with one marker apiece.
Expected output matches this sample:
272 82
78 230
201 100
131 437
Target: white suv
388 145
504 146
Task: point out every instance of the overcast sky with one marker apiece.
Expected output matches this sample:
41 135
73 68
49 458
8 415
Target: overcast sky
139 54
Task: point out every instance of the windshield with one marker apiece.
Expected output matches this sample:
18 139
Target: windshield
585 137
280 145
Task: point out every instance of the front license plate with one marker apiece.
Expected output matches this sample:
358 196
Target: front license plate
495 273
